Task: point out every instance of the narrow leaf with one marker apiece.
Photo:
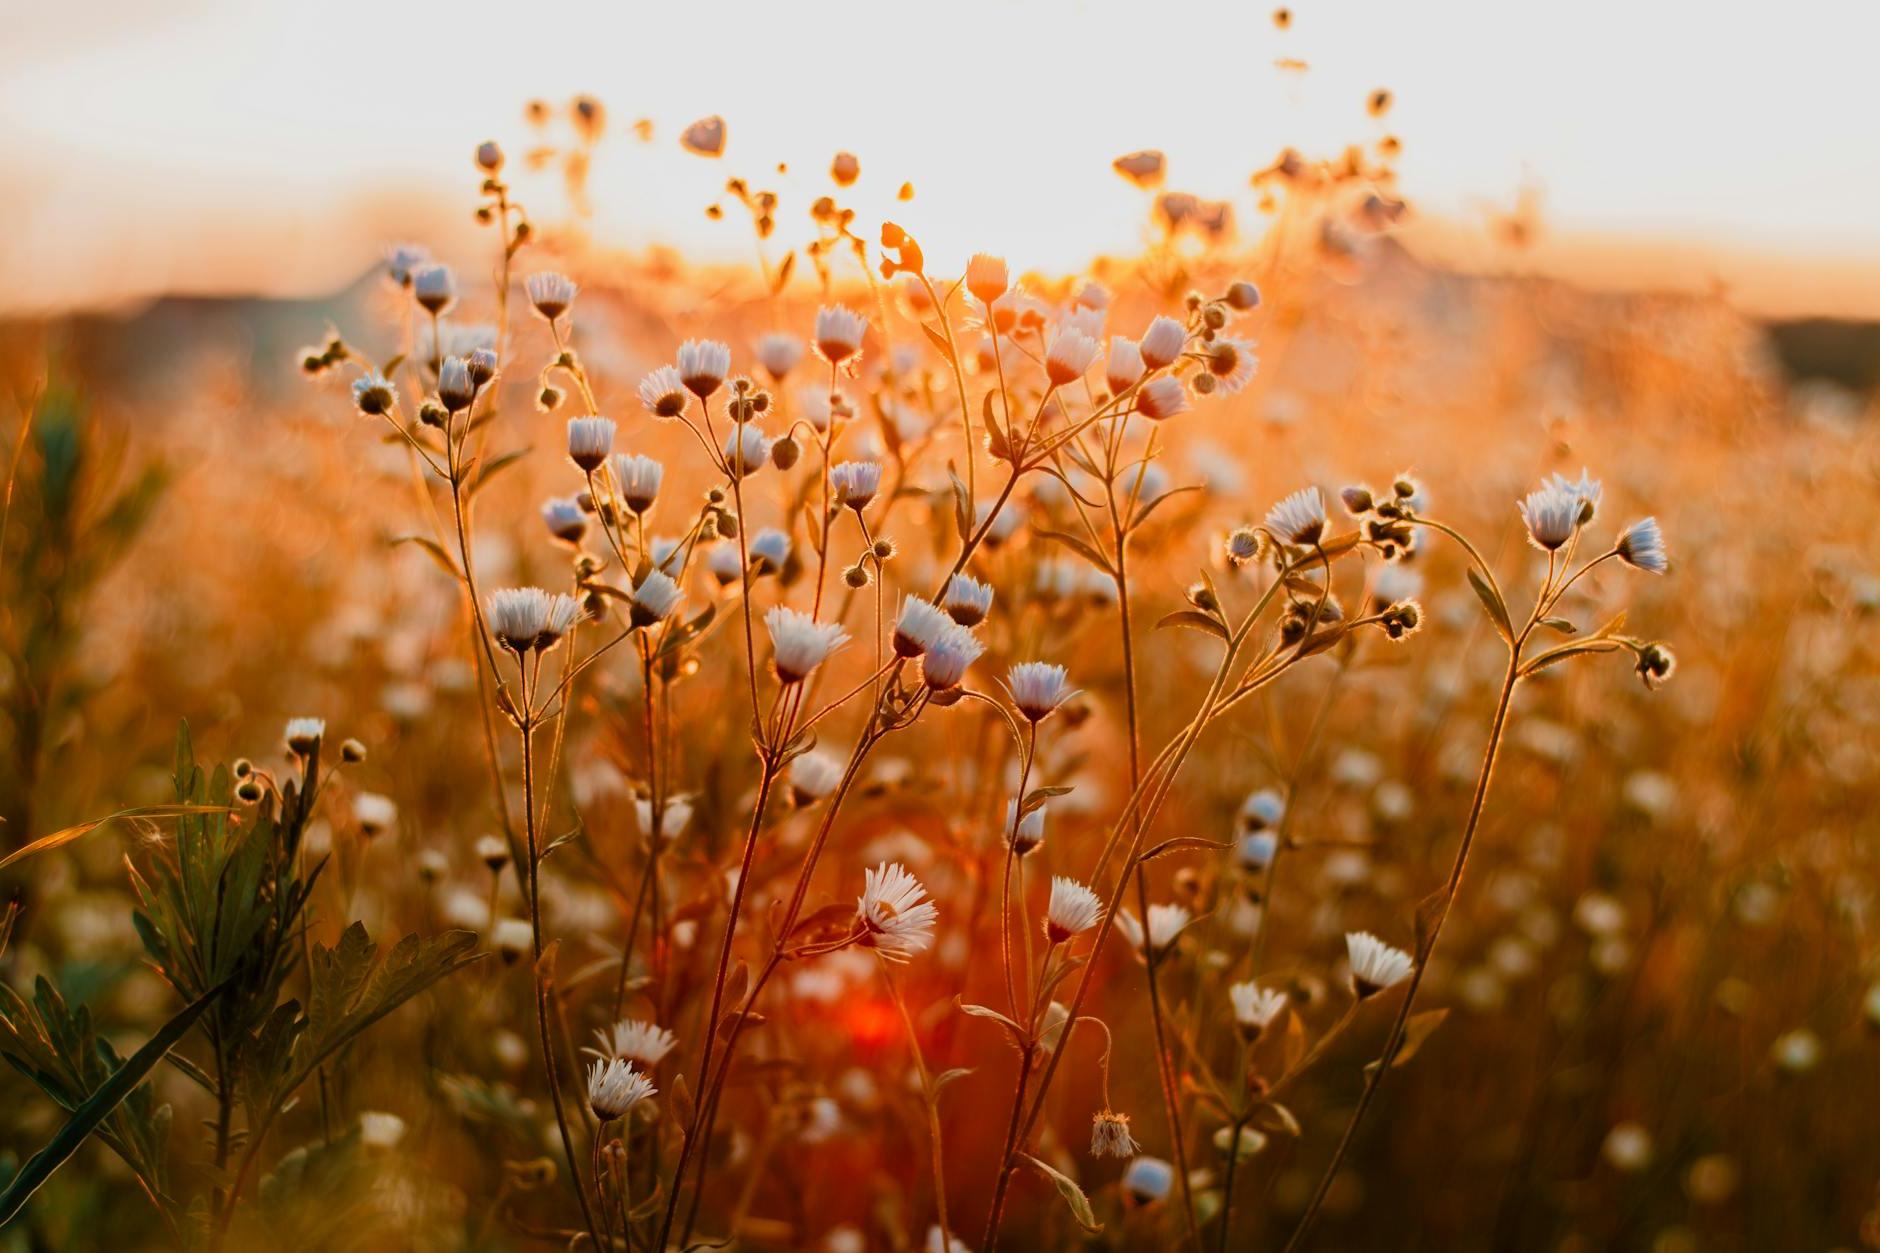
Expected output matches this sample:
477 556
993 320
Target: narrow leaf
1072 1194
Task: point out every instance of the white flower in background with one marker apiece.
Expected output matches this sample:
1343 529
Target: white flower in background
1298 519
1073 910
855 483
746 449
374 812
1375 965
402 261
675 815
1586 489
703 365
1038 688
380 1130
1023 834
1165 926
839 332
1109 1135
1070 353
663 392
896 919
590 441
938 1241
918 627
813 776
1162 343
817 408
945 662
635 1040
511 938
1628 1147
1797 1051
1255 1008
1255 851
654 599
967 600
492 851
433 288
1162 398
724 563
769 549
1123 367
304 734
614 1088
564 519
800 642
552 294
1262 809
1643 547
986 277
563 612
455 387
779 354
638 480
1148 1179
1552 515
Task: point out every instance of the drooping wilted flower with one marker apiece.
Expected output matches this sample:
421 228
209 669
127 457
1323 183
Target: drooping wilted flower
813 776
663 392
703 365
1552 514
373 394
1038 688
1109 1135
1643 547
654 599
944 665
1069 354
614 1088
800 642
1024 834
779 354
552 294
1166 923
304 734
986 277
855 483
896 919
636 1040
839 332
1073 910
1162 398
746 450
1162 343
1375 965
918 627
1298 519
433 288
1255 1008
590 441
967 600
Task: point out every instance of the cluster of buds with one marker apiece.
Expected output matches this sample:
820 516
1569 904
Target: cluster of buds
1386 518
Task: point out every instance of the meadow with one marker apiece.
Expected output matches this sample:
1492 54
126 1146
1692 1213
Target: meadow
1266 743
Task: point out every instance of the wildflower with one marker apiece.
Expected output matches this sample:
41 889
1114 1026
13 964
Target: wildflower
590 441
482 363
1232 363
374 395
987 278
1070 353
454 384
375 813
674 815
779 354
1796 1051
635 1040
663 392
1255 1008
839 332
1162 398
946 660
1298 519
1166 923
801 643
918 627
402 261
724 564
1148 1179
768 550
855 483
653 600
1244 544
967 600
897 922
552 294
1628 1147
563 612
1256 851
492 851
746 450
1122 365
1375 965
303 734
813 776
1038 688
512 937
939 1241
1552 514
518 617
1643 547
1586 488
1401 620
820 406
352 751
1243 296
703 365
1162 343
1109 1135
1073 910
433 288
638 479
614 1088
380 1130
1023 834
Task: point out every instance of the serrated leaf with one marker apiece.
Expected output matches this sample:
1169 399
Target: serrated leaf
1073 1195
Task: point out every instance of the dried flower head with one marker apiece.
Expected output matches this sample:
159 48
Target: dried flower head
1109 1135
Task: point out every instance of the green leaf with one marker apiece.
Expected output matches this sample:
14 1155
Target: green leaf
45 843
97 1107
1492 601
1072 1194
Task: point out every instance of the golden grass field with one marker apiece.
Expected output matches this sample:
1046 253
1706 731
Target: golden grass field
1636 998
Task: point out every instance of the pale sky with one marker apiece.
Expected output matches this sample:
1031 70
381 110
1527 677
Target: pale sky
131 140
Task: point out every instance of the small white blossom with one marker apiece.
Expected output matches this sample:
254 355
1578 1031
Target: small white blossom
1148 1179
1123 367
654 599
304 734
1255 1007
918 627
638 478
1166 923
590 441
839 332
1643 547
674 816
1074 909
1552 514
703 365
896 919
1375 965
663 392
1162 398
855 483
635 1040
769 549
967 600
1069 354
944 665
986 277
779 354
1162 343
813 776
1038 688
746 449
1298 519
614 1088
552 294
800 642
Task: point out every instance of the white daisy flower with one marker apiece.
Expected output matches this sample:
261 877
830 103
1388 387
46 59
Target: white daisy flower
813 776
986 277
1262 809
800 642
723 563
1162 343
1165 926
1298 519
590 442
374 394
1148 1179
564 518
918 627
675 815
552 294
1255 1007
839 332
1586 487
1552 515
1123 367
614 1088
746 450
967 600
1038 688
1375 965
654 599
943 667
663 392
1069 354
1074 909
1023 834
455 388
402 262
896 919
635 1040
855 483
703 365
1162 398
512 938
492 851
304 734
1643 547
518 616
1232 363
779 354
769 549
1255 852
380 1130
638 478
433 288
